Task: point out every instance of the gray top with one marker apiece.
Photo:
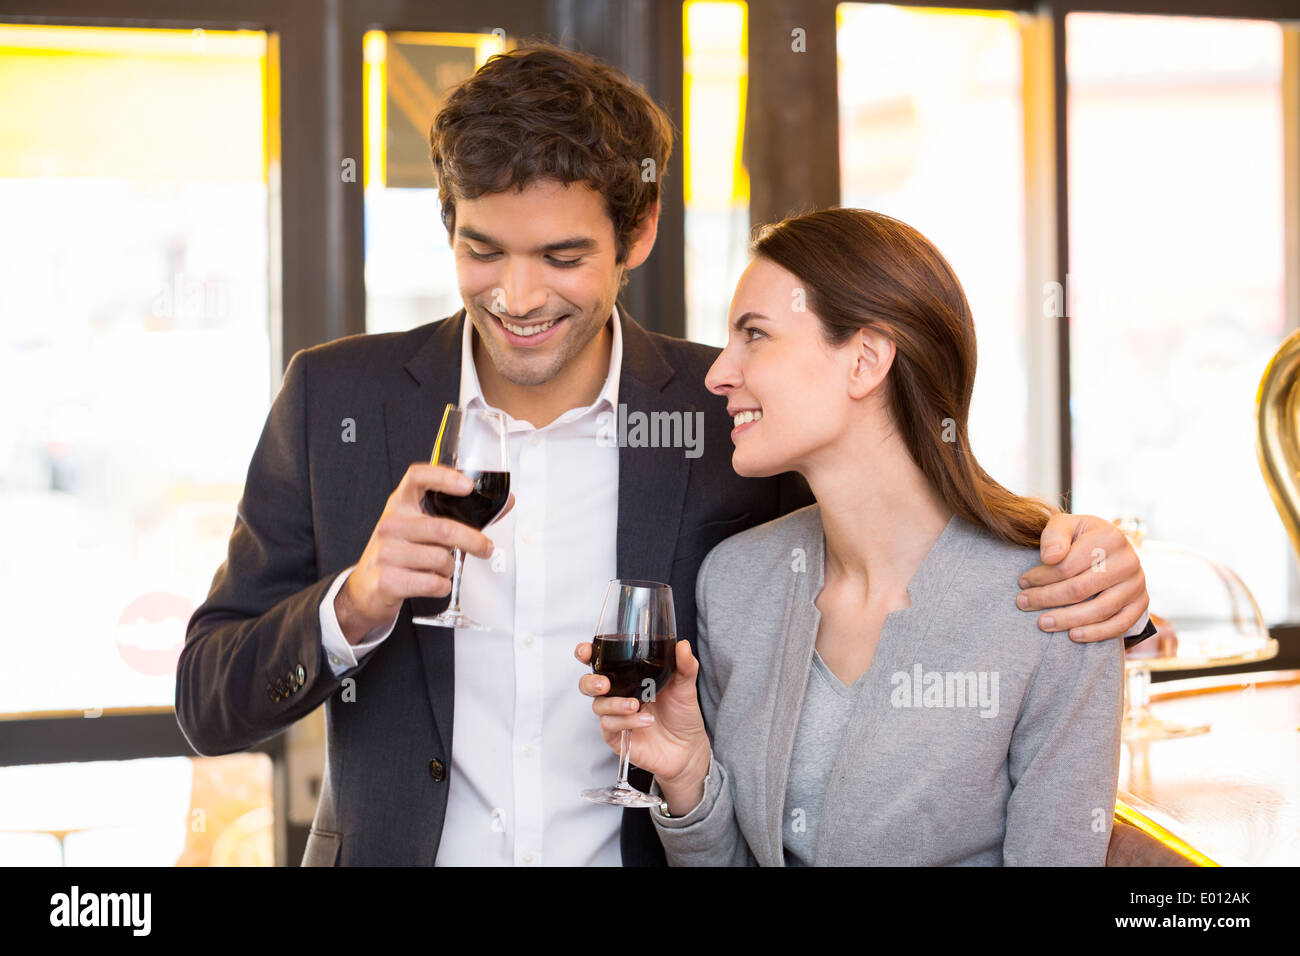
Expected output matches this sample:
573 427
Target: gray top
826 710
974 737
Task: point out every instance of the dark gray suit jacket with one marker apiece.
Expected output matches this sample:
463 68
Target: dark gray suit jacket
253 662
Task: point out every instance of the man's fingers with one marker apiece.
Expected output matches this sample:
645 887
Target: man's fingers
425 529
1094 549
1056 538
1097 561
423 476
407 584
409 556
583 652
1094 611
1128 616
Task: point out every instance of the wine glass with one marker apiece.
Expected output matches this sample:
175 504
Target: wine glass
634 648
473 442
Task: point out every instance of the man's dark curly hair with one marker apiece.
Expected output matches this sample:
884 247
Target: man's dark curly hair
544 112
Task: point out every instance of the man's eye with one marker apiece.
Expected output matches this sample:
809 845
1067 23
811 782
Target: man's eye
482 256
564 263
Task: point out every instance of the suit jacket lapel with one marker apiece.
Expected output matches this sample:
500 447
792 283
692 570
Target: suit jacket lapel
411 418
651 481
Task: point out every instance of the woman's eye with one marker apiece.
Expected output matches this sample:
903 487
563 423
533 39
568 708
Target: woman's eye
750 332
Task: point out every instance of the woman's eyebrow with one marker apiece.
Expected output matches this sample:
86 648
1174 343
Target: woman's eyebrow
739 324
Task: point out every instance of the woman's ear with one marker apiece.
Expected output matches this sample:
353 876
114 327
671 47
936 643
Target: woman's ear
873 356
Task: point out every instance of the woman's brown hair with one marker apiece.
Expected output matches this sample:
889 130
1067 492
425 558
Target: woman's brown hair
544 112
865 270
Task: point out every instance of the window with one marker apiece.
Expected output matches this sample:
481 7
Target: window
135 334
932 133
1177 291
717 185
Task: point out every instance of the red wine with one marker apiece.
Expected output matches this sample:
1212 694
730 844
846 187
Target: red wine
480 506
629 659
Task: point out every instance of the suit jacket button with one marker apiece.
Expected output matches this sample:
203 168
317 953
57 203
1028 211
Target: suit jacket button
270 692
437 770
301 674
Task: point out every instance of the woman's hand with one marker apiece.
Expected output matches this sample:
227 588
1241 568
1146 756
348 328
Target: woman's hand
667 733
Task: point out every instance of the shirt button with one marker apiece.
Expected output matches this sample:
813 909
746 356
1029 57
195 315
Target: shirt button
335 659
526 750
535 440
528 859
528 640
528 537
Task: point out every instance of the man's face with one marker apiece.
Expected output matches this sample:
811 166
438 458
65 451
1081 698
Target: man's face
537 275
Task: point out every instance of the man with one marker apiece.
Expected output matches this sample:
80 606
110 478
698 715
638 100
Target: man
539 159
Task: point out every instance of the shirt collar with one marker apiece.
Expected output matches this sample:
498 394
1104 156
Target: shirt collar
471 392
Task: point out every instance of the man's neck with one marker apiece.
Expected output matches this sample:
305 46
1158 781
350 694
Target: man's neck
576 386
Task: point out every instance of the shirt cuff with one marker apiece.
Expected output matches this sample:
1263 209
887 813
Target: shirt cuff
1132 640
1140 626
341 655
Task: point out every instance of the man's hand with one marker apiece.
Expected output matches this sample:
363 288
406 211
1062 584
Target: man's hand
1090 578
409 552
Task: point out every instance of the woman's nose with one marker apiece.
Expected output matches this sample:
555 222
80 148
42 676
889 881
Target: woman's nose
723 375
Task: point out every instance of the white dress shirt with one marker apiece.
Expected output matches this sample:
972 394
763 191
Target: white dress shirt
525 741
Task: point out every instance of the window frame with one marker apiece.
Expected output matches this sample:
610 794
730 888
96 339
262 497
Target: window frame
318 289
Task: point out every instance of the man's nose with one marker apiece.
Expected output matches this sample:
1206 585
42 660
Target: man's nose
521 290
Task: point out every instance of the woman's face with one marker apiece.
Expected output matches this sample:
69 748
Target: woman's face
778 369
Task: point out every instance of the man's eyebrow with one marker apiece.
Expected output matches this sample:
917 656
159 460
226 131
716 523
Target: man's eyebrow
573 243
739 324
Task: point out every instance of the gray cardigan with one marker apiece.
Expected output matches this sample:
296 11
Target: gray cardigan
975 738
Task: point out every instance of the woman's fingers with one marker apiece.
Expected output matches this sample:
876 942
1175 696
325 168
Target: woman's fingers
615 705
635 722
687 665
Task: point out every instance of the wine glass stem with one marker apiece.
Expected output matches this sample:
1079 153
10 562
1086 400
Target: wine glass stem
454 605
623 755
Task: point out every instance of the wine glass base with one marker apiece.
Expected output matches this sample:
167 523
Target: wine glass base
451 619
620 797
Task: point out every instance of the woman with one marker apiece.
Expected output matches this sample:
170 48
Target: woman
871 693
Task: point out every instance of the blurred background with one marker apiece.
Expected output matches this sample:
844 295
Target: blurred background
192 191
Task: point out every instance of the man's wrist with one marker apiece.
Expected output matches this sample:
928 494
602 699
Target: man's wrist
352 622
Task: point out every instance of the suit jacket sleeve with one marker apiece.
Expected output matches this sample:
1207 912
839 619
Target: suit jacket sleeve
709 835
253 662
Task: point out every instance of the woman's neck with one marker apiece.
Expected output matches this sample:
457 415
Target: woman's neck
880 514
